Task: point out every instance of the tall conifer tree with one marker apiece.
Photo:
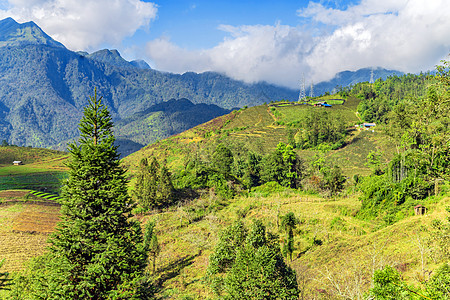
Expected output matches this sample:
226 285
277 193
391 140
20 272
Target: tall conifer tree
97 250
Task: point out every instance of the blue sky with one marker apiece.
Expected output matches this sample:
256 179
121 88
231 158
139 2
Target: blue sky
195 24
273 41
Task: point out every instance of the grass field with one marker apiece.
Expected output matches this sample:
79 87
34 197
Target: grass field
43 169
349 248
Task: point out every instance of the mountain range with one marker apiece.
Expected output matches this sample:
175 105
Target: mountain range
44 87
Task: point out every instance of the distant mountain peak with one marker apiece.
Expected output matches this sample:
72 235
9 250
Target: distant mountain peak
141 64
16 34
113 57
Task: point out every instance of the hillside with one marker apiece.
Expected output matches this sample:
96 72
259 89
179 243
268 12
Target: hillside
336 249
44 87
261 128
42 169
163 120
340 264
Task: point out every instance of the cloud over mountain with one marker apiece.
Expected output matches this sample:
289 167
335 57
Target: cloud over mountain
252 53
83 25
406 35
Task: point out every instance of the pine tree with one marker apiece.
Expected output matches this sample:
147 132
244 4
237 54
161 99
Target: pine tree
151 243
222 159
165 189
145 185
97 251
153 187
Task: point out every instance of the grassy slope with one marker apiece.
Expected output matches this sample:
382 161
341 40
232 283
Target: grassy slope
256 129
349 246
43 168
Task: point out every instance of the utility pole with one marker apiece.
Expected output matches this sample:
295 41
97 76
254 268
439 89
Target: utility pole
302 95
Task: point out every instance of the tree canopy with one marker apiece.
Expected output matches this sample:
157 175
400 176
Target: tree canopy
248 265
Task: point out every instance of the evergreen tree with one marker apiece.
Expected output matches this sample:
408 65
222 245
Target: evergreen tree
151 243
222 159
97 251
253 265
252 177
164 187
142 190
153 187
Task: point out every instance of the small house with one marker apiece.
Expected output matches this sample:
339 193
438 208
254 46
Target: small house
17 162
322 104
419 210
368 126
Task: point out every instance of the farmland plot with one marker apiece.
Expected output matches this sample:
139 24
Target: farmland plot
24 229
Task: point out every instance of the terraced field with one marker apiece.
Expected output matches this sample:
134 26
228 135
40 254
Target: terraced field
25 222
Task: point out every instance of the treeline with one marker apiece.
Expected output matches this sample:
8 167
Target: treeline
414 112
231 169
316 128
380 98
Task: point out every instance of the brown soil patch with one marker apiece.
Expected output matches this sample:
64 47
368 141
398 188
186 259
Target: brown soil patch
13 194
37 218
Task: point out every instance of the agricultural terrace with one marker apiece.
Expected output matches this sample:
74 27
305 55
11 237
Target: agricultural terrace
25 222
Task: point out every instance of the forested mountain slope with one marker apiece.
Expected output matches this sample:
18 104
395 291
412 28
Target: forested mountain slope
44 86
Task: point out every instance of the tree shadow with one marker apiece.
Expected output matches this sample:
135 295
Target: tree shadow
172 270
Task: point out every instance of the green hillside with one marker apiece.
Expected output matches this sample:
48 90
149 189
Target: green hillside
261 128
355 194
41 169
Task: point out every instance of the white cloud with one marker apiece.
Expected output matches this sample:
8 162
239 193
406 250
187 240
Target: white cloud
407 35
84 24
251 53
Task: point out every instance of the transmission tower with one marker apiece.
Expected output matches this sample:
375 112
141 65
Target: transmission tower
311 90
371 76
302 95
